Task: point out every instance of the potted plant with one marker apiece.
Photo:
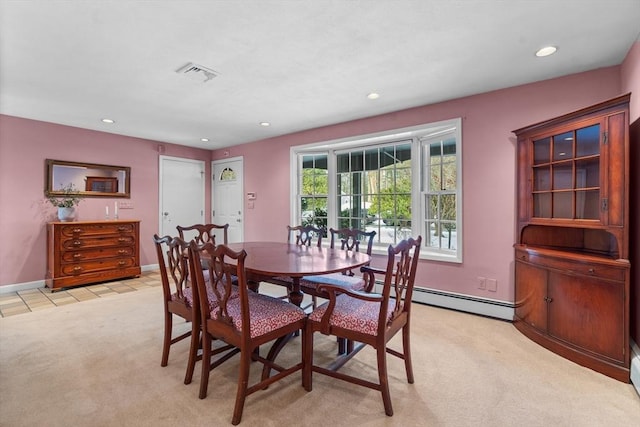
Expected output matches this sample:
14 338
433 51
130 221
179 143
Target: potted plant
66 199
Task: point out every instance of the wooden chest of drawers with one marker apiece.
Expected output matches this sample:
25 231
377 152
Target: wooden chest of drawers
91 251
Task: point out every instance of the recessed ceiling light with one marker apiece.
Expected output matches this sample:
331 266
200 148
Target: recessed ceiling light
373 95
265 124
546 51
204 139
110 121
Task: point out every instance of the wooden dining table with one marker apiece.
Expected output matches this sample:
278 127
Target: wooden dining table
273 259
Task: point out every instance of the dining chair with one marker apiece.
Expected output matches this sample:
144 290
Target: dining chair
179 299
350 240
245 322
303 235
204 233
369 319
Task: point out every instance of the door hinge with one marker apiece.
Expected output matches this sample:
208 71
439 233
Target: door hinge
213 212
605 204
605 138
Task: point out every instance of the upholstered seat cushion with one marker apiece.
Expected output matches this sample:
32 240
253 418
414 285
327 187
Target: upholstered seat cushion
311 282
355 283
266 313
353 314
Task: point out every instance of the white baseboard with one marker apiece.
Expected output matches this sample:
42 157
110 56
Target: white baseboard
461 302
17 287
635 366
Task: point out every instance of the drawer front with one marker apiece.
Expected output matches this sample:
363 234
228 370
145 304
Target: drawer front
93 254
78 230
95 266
98 242
592 269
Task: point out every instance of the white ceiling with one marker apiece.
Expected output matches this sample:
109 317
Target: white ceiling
297 64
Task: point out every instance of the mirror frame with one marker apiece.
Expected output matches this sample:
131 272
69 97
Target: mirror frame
49 191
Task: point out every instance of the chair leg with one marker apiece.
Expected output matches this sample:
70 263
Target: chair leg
193 350
384 381
206 363
307 357
406 349
243 382
168 326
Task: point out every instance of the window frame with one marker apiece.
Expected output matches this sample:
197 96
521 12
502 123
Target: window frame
417 134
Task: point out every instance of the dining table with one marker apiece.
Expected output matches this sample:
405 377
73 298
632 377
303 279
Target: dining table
273 259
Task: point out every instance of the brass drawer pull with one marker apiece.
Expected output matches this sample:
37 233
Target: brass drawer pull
122 252
77 243
77 256
77 230
122 263
77 269
592 271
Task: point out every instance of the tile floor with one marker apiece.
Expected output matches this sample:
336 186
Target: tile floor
14 303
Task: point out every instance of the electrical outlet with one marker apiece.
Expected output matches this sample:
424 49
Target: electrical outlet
482 283
492 285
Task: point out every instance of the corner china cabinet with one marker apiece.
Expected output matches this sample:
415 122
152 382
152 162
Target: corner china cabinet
572 255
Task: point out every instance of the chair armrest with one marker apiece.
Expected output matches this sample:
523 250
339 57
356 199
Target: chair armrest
333 290
368 274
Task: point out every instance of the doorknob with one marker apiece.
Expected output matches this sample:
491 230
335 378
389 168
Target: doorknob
166 213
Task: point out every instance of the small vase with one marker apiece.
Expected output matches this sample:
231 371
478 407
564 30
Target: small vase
67 214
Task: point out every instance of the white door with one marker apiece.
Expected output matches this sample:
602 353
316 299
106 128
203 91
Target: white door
226 195
181 193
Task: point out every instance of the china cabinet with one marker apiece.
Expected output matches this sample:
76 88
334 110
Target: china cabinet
572 269
85 252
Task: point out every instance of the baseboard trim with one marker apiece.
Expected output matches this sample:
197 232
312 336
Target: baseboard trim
635 366
471 304
25 286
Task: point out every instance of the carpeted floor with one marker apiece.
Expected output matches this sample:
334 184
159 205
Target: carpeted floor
98 364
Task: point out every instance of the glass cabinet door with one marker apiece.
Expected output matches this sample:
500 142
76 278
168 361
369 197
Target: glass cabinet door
566 174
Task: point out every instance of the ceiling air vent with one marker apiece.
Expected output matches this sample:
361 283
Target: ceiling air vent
197 72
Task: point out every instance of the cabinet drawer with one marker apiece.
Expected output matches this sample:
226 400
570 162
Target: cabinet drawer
573 266
97 265
95 229
93 254
98 242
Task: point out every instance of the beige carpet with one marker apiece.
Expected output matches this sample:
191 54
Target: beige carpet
98 364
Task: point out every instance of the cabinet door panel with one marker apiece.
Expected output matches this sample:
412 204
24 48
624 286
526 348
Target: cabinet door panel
531 285
587 312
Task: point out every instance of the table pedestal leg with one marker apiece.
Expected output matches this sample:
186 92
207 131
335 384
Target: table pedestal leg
296 295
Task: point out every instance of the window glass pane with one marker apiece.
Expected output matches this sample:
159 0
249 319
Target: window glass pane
541 179
587 204
588 173
542 205
371 162
448 207
435 181
588 141
449 174
563 205
541 149
562 176
563 146
342 162
357 161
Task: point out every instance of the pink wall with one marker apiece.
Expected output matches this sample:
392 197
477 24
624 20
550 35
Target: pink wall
630 76
488 169
488 161
24 146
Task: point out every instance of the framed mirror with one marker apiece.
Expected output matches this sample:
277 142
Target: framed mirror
90 179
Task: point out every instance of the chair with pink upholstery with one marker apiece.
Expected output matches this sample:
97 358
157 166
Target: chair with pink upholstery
369 319
179 299
245 322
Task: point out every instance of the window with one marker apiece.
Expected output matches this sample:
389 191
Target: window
399 183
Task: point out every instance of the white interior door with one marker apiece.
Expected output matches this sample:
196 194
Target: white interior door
181 193
227 196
